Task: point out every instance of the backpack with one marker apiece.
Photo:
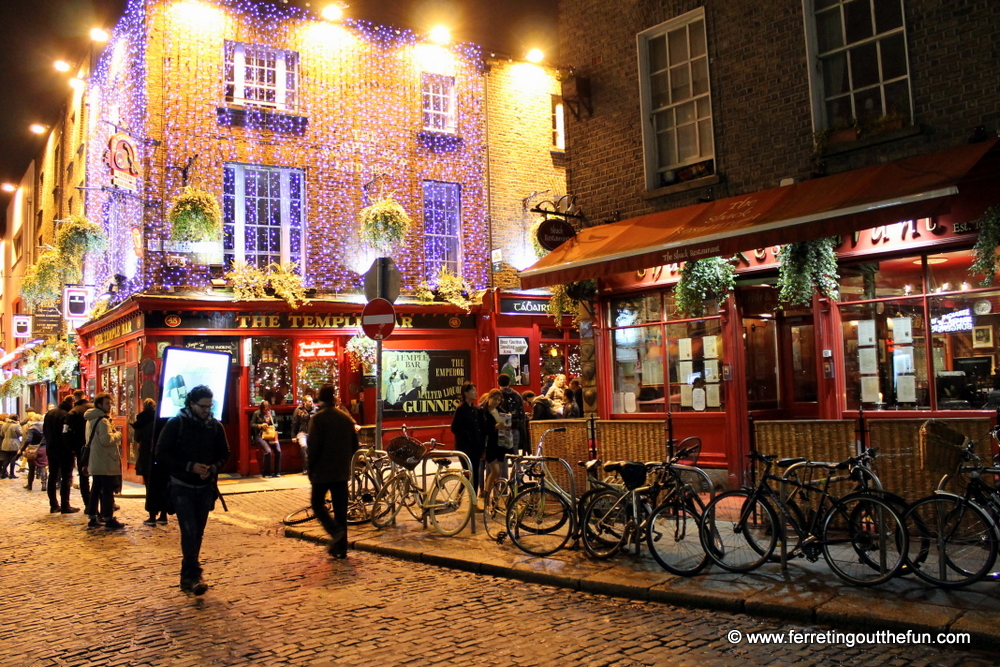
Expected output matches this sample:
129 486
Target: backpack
513 404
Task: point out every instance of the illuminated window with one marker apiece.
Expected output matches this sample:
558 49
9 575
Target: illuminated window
437 95
260 76
676 101
263 214
558 124
442 222
862 69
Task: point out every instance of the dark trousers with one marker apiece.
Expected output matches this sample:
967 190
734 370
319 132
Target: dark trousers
102 497
477 464
266 449
61 476
337 523
84 481
192 505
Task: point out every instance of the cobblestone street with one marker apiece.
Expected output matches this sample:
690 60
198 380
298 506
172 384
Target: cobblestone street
79 597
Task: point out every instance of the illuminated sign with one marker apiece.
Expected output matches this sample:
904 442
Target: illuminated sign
317 350
22 326
960 320
123 159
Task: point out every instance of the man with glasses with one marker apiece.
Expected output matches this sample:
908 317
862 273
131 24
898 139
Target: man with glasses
193 447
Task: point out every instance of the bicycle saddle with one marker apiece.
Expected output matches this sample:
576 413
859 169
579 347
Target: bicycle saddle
443 461
784 463
632 473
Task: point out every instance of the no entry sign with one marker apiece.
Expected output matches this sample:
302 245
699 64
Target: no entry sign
378 319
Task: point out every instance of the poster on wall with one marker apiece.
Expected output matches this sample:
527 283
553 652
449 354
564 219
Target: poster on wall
902 331
866 333
423 382
513 360
185 369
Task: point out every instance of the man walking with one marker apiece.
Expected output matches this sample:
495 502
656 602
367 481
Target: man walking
193 447
332 442
300 427
104 463
60 457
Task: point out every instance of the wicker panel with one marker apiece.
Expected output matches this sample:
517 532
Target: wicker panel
631 440
570 446
899 460
829 440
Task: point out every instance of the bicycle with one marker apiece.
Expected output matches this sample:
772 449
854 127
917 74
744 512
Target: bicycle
957 533
861 537
615 518
541 518
448 501
369 468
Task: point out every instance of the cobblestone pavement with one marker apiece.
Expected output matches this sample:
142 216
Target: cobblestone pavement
79 597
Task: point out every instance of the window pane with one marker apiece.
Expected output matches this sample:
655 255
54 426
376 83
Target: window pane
664 119
877 280
761 343
270 372
659 90
839 111
638 370
963 334
835 78
705 137
678 46
657 48
897 99
888 15
829 31
633 310
695 357
687 142
696 32
858 18
685 113
704 107
893 53
864 66
666 147
868 104
949 271
699 76
680 83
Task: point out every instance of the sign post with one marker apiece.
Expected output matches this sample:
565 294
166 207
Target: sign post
378 319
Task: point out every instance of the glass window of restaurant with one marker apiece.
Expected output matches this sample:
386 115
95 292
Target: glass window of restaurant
659 356
271 375
559 351
919 334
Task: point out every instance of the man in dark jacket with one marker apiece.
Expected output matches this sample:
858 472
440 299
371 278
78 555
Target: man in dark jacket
332 443
513 405
193 448
60 457
300 428
75 437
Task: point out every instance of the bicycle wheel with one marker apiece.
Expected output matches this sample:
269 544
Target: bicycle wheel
604 523
388 501
864 540
540 521
956 544
673 538
361 495
452 503
495 507
299 516
738 532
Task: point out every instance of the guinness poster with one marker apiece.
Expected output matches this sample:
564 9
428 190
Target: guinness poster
422 382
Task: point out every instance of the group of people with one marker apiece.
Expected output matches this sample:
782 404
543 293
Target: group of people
490 426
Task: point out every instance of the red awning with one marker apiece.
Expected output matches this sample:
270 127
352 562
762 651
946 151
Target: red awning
828 206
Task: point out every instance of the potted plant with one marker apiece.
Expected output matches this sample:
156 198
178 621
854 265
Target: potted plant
247 281
701 279
361 353
985 261
44 280
195 216
78 236
13 387
566 299
808 267
890 122
384 224
286 283
449 287
841 132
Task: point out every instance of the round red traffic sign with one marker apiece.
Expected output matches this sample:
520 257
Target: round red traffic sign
378 319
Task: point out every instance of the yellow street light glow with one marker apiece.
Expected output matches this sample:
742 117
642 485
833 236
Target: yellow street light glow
61 65
38 129
8 187
99 35
440 35
77 83
535 56
332 12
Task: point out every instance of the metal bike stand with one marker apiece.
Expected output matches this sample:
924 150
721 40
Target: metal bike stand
356 463
572 485
462 458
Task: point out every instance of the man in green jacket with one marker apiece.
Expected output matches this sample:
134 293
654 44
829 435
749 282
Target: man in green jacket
333 439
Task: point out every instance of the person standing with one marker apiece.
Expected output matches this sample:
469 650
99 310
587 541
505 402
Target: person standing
75 437
300 427
104 463
153 476
60 457
34 437
467 425
577 388
499 439
10 446
332 441
265 436
194 449
513 404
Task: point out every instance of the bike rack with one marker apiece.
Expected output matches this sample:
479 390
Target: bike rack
356 463
463 460
517 460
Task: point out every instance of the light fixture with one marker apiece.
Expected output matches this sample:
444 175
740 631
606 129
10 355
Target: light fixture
440 34
61 65
8 187
37 128
99 35
334 11
933 260
77 83
535 56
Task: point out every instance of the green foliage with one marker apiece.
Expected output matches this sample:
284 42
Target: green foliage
195 215
986 262
14 387
566 299
287 283
55 360
43 282
361 352
250 282
701 279
448 287
808 267
384 224
537 247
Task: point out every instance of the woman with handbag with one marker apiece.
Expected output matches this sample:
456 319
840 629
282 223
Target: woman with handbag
33 446
265 437
10 447
499 438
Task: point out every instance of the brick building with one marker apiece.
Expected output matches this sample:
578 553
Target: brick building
693 115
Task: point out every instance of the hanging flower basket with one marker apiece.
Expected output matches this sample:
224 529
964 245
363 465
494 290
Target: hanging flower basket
361 353
985 261
280 280
78 236
566 299
14 387
195 215
807 267
44 280
710 278
384 225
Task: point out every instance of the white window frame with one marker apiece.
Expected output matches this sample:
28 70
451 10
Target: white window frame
649 133
239 222
440 89
817 84
431 272
286 76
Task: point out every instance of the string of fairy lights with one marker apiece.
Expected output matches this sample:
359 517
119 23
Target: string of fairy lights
349 111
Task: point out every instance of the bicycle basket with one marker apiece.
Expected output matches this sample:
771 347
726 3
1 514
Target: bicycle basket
405 451
941 447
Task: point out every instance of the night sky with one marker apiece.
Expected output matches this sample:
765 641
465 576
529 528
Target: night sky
35 33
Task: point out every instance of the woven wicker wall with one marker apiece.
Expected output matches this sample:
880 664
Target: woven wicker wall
898 462
829 440
570 446
631 440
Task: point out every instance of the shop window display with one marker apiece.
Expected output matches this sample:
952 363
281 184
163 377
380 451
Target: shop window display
270 370
316 365
963 340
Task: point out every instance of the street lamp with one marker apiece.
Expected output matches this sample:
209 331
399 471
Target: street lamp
8 187
440 34
61 66
38 128
535 56
99 35
334 12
